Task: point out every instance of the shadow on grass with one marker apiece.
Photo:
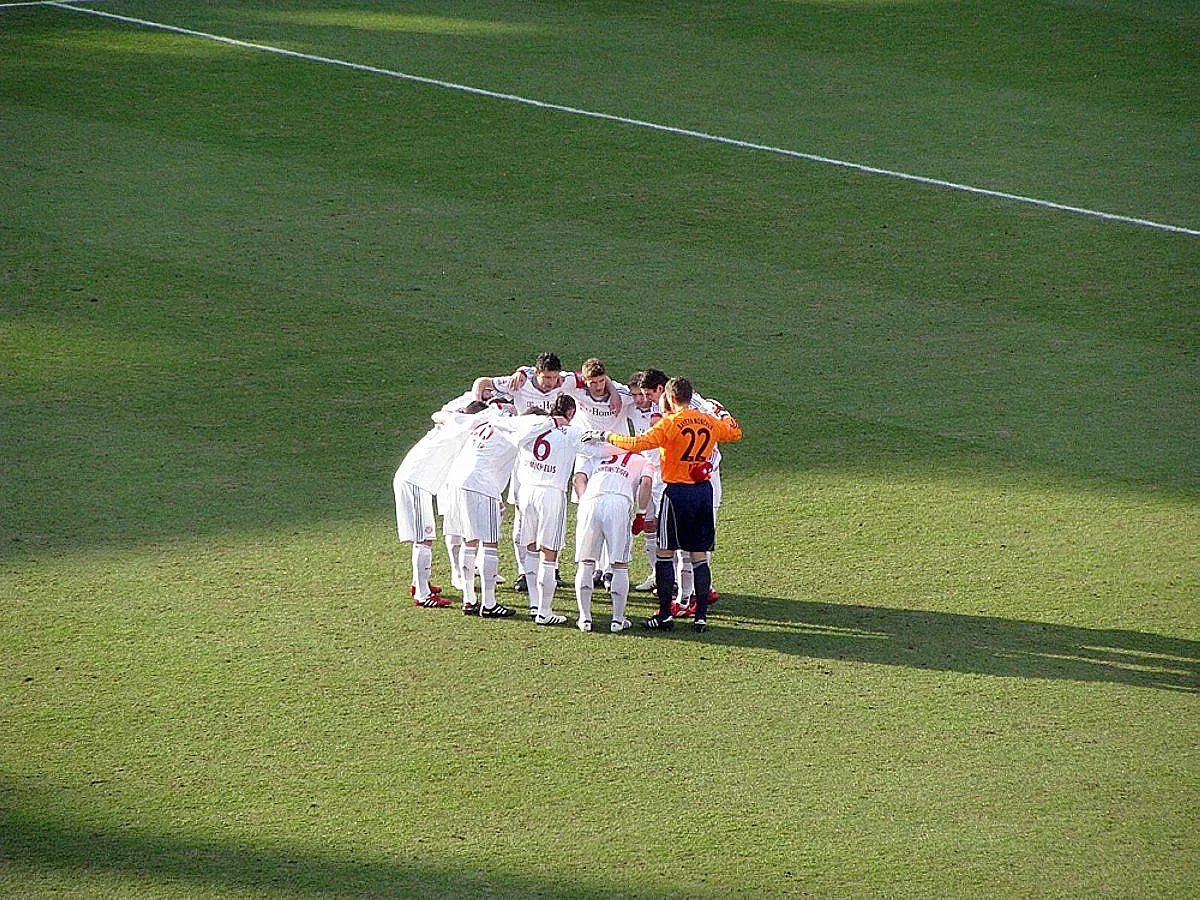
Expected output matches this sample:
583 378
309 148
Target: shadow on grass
952 642
43 845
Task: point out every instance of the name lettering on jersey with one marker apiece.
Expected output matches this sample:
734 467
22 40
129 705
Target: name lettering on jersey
618 462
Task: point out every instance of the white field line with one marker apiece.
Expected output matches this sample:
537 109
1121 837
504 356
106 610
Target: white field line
638 123
42 3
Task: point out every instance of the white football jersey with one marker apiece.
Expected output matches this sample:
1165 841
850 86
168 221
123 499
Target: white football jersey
594 413
485 462
546 455
428 462
529 396
618 472
638 420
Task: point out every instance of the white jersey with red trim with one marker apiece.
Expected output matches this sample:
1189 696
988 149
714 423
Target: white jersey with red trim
637 420
428 462
545 454
617 472
598 413
485 462
528 396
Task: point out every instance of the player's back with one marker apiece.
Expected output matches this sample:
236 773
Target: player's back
485 462
547 458
691 440
617 473
430 459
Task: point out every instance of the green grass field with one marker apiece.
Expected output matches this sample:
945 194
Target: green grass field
958 646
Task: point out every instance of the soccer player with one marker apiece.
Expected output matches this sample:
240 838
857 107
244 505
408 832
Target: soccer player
688 439
647 395
618 485
500 405
421 475
545 459
600 402
530 388
475 484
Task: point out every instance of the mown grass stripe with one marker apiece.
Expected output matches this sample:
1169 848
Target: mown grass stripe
642 123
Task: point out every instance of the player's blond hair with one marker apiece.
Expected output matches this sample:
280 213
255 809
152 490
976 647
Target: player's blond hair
591 368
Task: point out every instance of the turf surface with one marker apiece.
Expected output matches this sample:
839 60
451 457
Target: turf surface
957 651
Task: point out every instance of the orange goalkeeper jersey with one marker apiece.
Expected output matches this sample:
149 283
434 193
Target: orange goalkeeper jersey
687 439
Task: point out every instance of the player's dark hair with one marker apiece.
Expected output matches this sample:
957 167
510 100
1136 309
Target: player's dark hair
655 378
680 389
564 406
474 406
548 362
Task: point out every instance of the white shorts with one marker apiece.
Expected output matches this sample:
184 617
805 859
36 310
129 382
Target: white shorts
604 521
543 517
474 516
414 512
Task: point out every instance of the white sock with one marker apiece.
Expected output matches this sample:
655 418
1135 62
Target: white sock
466 557
533 562
620 591
487 575
422 563
583 589
547 583
651 551
453 543
683 575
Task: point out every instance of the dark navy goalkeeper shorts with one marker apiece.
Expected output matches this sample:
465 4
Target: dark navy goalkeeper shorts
685 518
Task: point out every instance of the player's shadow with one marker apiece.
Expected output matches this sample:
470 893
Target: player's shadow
957 643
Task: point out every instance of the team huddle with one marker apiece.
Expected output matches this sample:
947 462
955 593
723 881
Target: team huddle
641 458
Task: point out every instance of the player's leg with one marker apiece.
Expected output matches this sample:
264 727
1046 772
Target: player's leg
533 561
584 570
620 591
453 548
703 539
546 585
685 578
467 554
614 514
487 574
652 514
520 552
531 558
551 532
651 546
664 563
703 587
585 561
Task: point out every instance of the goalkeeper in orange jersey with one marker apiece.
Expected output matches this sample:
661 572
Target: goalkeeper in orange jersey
687 438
